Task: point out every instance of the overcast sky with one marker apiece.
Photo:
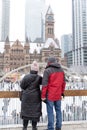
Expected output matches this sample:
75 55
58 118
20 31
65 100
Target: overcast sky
62 14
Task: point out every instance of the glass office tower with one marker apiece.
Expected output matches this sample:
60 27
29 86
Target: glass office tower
79 22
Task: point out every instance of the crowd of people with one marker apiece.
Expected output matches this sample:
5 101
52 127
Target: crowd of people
53 86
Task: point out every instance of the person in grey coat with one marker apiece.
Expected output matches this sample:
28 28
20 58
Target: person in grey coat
31 97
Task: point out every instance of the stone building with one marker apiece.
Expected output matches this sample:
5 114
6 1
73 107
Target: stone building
18 54
49 24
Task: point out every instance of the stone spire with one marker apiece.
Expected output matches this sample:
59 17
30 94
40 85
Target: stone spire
49 24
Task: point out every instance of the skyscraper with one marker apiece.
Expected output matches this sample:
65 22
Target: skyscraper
5 19
35 19
79 21
66 43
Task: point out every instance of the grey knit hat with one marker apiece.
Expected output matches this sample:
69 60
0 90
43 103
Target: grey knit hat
52 60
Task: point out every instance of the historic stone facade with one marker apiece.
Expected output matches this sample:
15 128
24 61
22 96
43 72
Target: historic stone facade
18 54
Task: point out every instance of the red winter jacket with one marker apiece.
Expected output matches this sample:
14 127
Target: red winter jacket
53 83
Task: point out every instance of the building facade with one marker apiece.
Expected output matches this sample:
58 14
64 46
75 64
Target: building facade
5 19
49 24
66 43
19 54
79 21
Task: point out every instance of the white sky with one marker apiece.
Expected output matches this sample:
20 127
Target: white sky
62 14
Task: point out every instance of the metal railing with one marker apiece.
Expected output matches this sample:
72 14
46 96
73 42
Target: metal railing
74 105
74 108
16 94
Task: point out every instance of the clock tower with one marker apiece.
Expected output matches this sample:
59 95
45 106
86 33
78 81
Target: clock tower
49 24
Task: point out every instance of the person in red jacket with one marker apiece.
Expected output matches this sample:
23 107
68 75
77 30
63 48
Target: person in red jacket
53 86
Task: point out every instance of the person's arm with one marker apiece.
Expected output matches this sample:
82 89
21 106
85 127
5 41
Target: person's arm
40 80
63 86
23 84
44 85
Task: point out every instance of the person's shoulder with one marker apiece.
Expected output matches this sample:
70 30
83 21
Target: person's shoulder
61 69
47 70
26 76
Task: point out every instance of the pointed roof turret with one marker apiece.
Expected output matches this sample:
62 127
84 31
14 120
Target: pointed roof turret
7 40
7 44
17 44
27 40
49 10
26 45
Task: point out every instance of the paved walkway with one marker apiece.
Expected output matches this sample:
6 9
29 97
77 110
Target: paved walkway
77 125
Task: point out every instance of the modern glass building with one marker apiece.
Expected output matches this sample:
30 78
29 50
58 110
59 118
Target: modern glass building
66 43
79 22
5 19
35 19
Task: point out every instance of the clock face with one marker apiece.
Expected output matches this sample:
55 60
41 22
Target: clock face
50 18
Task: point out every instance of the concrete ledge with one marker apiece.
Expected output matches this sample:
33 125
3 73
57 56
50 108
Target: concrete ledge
75 125
72 125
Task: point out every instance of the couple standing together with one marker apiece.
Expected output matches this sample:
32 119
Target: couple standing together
53 86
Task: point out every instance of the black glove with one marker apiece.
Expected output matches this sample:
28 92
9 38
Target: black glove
20 95
63 95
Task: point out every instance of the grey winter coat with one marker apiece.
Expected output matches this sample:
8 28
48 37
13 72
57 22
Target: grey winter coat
31 96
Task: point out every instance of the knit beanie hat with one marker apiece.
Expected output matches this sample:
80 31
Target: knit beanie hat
52 60
35 66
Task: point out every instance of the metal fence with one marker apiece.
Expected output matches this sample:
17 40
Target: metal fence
74 105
